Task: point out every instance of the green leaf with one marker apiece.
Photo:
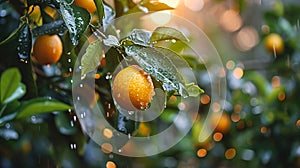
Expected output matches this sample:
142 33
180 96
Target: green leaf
109 16
160 66
167 33
19 92
111 41
156 6
100 9
13 34
139 36
9 82
179 62
64 124
76 19
90 60
39 106
24 43
146 7
54 27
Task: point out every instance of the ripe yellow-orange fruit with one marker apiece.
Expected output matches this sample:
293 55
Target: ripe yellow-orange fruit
221 125
274 43
47 49
133 88
86 4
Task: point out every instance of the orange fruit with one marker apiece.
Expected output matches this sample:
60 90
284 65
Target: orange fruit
223 124
133 88
86 4
274 43
47 49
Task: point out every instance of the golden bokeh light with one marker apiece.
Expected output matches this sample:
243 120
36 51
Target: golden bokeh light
246 38
263 130
194 5
276 82
201 152
161 18
171 3
110 164
230 64
281 96
230 153
235 117
238 73
205 99
298 123
106 147
107 133
218 136
231 20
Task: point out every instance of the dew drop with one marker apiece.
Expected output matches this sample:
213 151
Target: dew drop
69 53
69 110
108 76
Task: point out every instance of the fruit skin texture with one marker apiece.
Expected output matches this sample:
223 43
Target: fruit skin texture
274 43
133 88
86 4
47 49
222 125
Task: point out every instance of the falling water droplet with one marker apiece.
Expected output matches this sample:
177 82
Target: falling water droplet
72 123
69 53
120 150
69 60
75 118
129 136
71 80
70 69
81 85
69 110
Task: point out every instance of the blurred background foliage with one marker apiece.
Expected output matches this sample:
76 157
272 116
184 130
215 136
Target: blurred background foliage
261 120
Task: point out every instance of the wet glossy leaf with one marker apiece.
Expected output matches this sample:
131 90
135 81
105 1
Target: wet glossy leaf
54 27
156 6
100 9
39 106
24 43
167 33
146 7
76 19
110 15
140 37
63 124
90 60
13 34
160 66
18 93
111 41
9 82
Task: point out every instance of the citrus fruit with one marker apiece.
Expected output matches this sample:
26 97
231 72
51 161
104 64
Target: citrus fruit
86 4
47 49
274 43
133 88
